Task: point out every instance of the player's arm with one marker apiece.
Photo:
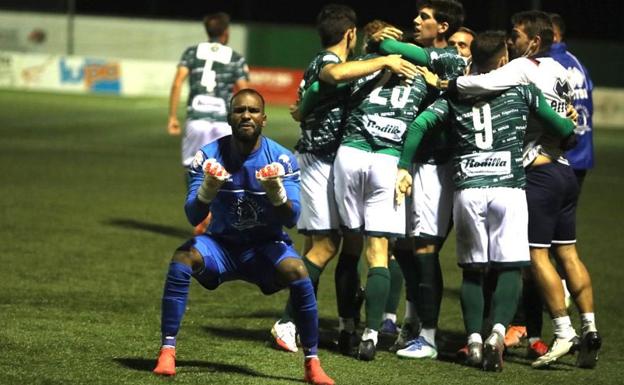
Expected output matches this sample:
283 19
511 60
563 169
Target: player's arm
417 129
429 118
334 73
241 84
312 95
173 126
205 180
282 190
515 73
243 76
411 52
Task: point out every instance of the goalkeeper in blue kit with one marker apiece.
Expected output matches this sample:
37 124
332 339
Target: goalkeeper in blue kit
250 184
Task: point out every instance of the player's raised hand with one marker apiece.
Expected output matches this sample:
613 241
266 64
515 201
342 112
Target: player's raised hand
270 177
387 33
173 127
401 66
214 176
403 186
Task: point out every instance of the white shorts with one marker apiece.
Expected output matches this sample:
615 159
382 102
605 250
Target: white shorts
432 201
364 183
198 133
491 226
319 213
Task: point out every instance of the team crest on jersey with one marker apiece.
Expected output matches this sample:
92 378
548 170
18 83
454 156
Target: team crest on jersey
563 89
285 161
198 160
245 213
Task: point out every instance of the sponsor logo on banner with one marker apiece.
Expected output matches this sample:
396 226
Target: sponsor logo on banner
486 163
96 75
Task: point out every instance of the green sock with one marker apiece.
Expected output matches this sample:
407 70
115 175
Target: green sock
506 296
347 280
430 286
406 260
377 288
314 272
472 300
396 285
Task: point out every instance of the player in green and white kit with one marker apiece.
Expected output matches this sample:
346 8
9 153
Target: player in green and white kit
429 219
213 70
380 108
321 130
490 210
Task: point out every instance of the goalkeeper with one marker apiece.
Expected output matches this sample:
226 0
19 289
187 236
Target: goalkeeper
251 185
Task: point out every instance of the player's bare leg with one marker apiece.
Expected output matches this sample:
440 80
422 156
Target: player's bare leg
580 286
549 282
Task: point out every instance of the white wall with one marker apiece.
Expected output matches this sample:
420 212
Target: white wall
110 37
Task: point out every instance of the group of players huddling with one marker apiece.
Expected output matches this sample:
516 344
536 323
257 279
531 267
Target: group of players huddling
396 147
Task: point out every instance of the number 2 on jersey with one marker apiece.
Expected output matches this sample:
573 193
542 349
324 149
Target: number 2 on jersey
398 98
212 52
483 127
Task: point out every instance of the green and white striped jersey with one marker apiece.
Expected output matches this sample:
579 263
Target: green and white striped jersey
321 129
214 69
381 107
487 134
447 64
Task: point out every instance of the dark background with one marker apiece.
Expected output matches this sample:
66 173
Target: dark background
600 19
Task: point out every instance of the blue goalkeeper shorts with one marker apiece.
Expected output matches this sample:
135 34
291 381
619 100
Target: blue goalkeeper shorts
227 261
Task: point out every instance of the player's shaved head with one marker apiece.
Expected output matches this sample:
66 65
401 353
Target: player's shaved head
487 50
333 21
245 91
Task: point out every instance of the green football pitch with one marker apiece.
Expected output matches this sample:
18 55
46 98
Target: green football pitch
91 200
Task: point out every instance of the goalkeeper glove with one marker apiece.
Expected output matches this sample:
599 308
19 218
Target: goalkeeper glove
214 176
270 177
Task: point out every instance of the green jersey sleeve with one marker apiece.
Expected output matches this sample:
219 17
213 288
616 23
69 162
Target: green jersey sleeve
557 125
435 114
411 52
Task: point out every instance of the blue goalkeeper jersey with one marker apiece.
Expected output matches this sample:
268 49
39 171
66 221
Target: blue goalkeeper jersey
582 155
241 211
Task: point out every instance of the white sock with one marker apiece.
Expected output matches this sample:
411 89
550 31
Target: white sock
390 316
588 323
475 337
429 335
499 328
370 334
346 324
563 327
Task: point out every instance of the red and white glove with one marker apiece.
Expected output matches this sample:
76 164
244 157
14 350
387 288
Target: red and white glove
214 176
270 177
